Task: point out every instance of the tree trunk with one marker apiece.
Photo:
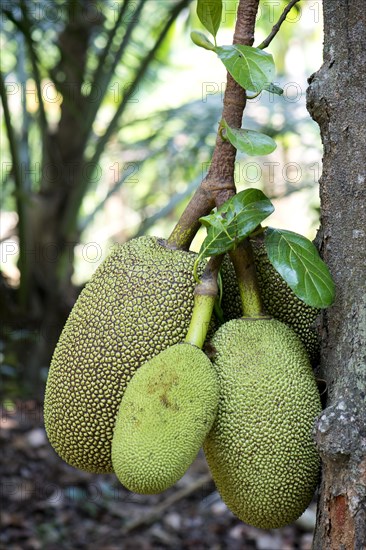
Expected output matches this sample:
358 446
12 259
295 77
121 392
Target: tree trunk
52 293
337 101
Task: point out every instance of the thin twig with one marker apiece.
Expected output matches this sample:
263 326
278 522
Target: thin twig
277 26
158 510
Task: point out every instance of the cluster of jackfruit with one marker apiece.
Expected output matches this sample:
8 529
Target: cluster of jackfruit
138 302
279 300
124 394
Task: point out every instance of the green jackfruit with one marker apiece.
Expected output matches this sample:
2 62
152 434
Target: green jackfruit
260 449
279 300
138 302
165 414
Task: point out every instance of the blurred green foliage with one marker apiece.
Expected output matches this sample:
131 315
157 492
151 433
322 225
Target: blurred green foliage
113 125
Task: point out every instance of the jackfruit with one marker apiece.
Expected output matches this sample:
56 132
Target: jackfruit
279 300
138 302
260 449
165 414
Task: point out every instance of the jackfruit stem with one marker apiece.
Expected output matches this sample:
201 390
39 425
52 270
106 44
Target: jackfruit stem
200 320
243 261
204 301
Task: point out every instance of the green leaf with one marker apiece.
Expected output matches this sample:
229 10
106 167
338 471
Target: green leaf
234 221
297 260
252 68
209 13
201 40
250 142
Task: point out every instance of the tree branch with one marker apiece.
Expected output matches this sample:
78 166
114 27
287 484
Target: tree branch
219 185
220 177
277 26
167 209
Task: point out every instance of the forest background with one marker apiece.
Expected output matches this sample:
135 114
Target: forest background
113 118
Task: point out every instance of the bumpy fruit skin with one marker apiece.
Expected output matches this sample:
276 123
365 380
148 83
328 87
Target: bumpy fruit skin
260 449
138 302
279 300
165 414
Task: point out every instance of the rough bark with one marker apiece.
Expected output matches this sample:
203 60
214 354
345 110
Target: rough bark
337 101
219 184
220 177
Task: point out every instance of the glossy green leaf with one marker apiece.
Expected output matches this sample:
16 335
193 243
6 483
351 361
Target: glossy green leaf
297 260
234 221
252 68
250 142
201 40
209 13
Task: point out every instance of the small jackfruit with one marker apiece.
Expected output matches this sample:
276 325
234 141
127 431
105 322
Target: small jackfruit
260 449
279 300
138 302
165 414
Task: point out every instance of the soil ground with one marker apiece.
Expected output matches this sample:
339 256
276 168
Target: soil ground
48 505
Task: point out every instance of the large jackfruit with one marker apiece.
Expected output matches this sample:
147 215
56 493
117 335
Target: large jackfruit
165 414
138 302
260 449
279 300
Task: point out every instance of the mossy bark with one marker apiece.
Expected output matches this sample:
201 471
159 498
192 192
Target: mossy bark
337 101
